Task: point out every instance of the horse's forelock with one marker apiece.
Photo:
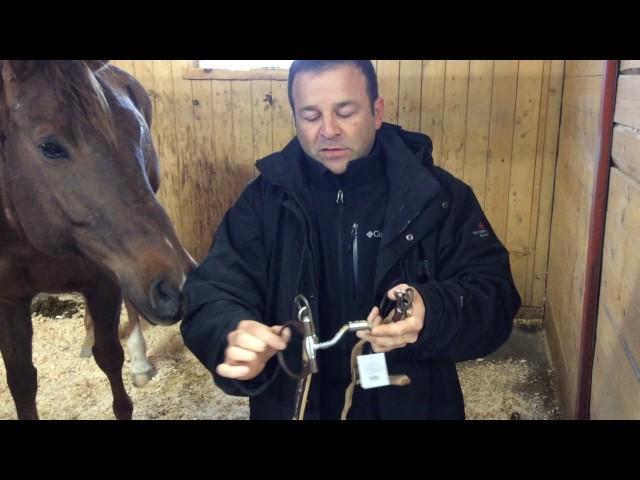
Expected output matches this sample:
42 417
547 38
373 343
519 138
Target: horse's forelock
76 85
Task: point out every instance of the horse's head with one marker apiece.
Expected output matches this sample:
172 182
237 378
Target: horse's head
78 172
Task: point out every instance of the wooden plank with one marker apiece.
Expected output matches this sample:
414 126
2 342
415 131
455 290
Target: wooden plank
622 299
537 180
626 150
583 68
432 104
629 65
523 163
144 74
164 133
126 65
518 261
410 85
620 287
191 73
455 115
185 144
615 391
388 84
242 123
628 101
583 93
564 382
503 101
629 217
477 131
261 100
202 170
229 169
283 130
550 153
243 159
577 152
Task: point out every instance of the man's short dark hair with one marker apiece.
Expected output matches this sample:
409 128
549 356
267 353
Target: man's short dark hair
365 66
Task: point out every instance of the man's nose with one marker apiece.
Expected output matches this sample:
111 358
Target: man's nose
330 127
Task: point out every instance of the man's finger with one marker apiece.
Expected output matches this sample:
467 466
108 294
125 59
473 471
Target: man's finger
232 371
391 294
380 349
267 334
247 341
238 354
399 328
286 333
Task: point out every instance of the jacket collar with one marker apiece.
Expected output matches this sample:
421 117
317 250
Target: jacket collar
408 165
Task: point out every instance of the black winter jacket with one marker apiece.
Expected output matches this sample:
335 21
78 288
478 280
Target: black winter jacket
435 238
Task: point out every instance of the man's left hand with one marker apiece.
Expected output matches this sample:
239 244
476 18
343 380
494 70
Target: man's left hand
387 337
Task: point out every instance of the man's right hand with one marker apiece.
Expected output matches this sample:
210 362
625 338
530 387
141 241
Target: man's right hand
249 347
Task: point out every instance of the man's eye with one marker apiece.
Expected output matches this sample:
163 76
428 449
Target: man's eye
53 150
345 114
311 119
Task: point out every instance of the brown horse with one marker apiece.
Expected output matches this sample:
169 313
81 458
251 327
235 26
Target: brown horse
78 212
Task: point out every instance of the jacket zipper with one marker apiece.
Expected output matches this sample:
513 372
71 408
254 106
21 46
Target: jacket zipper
354 257
340 202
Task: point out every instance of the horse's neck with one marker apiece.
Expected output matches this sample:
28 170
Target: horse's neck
8 220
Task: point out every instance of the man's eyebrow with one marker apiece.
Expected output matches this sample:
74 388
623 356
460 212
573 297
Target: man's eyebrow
346 103
314 108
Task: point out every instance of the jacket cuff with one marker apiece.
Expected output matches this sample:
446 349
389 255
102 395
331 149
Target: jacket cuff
259 384
434 312
217 346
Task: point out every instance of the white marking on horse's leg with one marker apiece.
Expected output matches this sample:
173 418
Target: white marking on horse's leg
141 369
87 344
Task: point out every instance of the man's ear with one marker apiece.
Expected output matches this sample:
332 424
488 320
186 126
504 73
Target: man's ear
378 111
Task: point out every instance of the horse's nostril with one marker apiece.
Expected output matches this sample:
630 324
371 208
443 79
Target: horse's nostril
165 299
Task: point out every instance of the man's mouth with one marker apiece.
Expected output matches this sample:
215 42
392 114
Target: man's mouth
333 150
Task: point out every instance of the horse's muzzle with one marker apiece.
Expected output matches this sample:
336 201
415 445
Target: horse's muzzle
167 302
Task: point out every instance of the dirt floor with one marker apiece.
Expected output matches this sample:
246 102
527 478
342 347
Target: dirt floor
500 387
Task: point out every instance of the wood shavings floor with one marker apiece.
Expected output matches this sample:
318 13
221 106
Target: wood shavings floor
75 388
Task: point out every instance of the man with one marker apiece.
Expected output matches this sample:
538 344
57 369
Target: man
350 211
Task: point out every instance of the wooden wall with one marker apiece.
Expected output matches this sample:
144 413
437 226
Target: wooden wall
493 124
577 158
615 390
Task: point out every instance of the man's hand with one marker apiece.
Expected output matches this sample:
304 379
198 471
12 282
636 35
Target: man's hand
387 337
249 347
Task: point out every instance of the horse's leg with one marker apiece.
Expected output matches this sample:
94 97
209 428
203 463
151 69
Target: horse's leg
16 334
141 369
104 301
89 336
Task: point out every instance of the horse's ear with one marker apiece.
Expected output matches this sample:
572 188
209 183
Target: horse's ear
15 69
11 73
96 65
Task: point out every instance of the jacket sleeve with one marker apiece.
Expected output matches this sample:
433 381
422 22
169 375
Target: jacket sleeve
227 287
471 305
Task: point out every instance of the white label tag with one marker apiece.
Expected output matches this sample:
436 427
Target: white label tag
373 370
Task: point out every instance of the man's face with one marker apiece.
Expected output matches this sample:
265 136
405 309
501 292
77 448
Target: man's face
333 117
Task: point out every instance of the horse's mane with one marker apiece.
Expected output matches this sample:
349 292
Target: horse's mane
76 85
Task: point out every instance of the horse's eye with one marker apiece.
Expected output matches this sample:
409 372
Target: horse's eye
53 150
